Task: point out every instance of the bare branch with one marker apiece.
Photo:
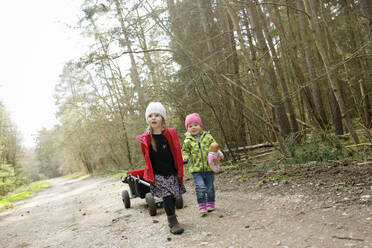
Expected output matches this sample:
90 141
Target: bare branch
142 51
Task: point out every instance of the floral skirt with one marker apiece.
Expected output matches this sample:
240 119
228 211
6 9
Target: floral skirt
167 185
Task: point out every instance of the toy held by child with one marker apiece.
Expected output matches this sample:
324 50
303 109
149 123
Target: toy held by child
214 157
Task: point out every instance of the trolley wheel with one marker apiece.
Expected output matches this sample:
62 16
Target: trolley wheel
126 199
151 204
179 202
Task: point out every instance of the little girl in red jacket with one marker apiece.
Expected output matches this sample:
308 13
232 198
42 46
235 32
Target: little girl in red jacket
163 162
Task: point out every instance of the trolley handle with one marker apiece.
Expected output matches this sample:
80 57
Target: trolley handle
138 180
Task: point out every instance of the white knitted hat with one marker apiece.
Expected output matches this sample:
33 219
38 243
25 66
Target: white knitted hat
155 107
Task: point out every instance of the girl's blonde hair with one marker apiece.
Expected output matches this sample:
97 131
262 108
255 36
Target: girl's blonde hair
149 129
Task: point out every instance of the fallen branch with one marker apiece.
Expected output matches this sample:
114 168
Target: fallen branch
304 124
344 136
258 152
247 157
140 51
365 163
253 147
347 238
364 131
358 145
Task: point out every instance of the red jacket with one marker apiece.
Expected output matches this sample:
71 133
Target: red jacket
174 145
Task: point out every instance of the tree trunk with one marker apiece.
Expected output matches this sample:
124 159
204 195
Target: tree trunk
365 100
249 36
87 164
134 71
366 105
366 6
270 73
257 79
279 70
114 94
156 88
335 111
321 45
298 72
216 71
233 70
318 102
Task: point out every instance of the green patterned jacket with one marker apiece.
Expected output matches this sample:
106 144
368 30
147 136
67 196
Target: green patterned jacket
196 153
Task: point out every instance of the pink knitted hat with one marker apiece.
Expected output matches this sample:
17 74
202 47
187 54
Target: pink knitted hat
191 118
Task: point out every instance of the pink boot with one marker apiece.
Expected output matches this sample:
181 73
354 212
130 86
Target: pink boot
202 209
210 206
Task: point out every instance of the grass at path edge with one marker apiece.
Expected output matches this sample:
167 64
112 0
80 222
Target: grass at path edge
23 192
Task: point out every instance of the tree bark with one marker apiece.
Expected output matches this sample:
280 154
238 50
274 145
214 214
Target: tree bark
318 102
112 94
365 100
234 72
298 72
321 45
148 60
216 71
366 6
279 70
134 71
252 47
257 79
270 73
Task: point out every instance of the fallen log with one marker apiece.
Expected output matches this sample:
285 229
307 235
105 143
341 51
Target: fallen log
252 147
365 163
359 145
260 155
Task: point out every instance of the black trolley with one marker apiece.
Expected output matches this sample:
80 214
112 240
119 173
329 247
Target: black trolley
139 187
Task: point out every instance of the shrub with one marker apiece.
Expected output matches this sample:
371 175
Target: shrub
7 179
320 147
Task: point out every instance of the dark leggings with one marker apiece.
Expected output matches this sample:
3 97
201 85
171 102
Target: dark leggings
169 205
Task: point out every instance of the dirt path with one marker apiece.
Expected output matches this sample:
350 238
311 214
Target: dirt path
89 213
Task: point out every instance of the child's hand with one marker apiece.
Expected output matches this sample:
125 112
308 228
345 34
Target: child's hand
220 155
124 178
217 160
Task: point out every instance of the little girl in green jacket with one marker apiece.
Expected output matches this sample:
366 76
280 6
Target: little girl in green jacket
195 150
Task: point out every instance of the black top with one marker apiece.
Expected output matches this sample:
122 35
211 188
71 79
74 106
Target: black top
162 160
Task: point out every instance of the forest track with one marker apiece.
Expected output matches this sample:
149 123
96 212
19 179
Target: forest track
90 213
